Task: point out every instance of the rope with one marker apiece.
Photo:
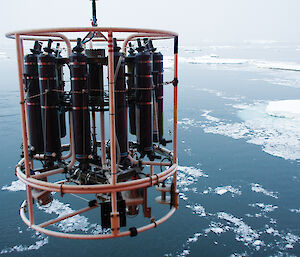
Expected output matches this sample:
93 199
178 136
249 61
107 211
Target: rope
95 90
141 88
121 91
79 197
34 96
168 82
57 90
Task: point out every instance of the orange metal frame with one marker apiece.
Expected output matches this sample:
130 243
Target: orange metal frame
32 181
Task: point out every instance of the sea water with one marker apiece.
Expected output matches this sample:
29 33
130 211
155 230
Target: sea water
238 150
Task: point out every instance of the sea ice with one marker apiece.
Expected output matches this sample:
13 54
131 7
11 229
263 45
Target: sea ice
185 252
277 65
259 189
277 136
212 59
238 254
77 222
216 228
15 186
197 209
194 239
243 232
209 117
186 123
284 109
295 210
21 248
265 207
225 189
256 63
195 172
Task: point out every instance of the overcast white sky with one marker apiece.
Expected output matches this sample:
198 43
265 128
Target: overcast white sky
195 21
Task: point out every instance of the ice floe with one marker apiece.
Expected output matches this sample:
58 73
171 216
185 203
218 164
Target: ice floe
221 94
282 80
265 207
238 254
224 189
187 176
287 240
295 210
259 189
15 186
291 240
186 246
214 59
277 65
194 238
192 171
209 117
183 196
278 136
75 223
234 130
186 123
243 232
221 190
284 109
197 209
217 228
185 252
43 240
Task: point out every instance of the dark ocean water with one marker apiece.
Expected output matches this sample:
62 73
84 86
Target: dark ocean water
239 176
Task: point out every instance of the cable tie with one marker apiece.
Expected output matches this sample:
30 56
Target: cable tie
157 179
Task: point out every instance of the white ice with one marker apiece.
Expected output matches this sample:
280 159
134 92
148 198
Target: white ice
295 210
197 209
75 223
21 248
15 186
209 117
224 189
259 189
243 232
265 207
278 134
284 109
214 59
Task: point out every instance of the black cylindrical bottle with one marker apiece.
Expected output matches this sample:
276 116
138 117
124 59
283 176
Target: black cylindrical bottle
159 91
95 71
80 99
120 102
144 115
130 62
33 103
60 86
49 102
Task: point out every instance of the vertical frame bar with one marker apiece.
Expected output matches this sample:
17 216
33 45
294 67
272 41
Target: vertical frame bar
26 111
175 83
19 47
114 214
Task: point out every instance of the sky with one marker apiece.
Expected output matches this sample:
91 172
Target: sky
195 21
